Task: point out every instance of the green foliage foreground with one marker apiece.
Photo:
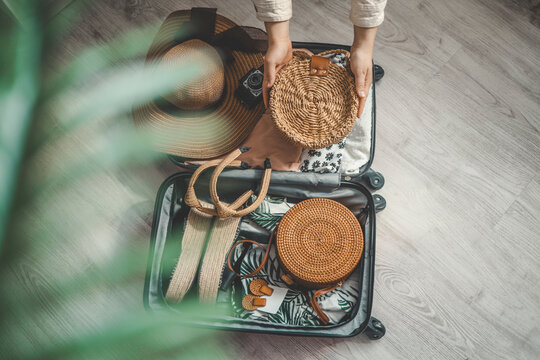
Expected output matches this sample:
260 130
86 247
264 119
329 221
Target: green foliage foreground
69 287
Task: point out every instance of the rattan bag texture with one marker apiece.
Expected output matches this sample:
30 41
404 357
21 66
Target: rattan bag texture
319 242
314 111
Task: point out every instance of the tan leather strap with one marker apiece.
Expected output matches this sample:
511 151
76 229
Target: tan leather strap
193 201
315 305
266 290
287 279
265 258
259 268
224 210
319 66
259 301
338 51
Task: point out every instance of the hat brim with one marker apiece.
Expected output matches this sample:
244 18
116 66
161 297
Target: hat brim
211 133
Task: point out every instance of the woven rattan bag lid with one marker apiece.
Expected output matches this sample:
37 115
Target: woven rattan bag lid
319 242
313 107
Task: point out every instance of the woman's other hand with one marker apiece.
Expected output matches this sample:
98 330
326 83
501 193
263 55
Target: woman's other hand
278 54
362 62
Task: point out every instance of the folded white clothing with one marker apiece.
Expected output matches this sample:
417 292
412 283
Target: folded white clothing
358 145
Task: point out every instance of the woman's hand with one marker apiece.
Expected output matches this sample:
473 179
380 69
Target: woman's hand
278 54
362 62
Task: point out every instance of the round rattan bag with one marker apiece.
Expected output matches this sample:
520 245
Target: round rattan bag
314 107
319 242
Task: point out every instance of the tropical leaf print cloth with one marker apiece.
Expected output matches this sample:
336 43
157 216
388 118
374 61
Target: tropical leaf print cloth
295 309
270 212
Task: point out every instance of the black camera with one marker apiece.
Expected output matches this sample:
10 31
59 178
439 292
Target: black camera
250 89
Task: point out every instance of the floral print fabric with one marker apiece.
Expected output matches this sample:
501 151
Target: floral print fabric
326 160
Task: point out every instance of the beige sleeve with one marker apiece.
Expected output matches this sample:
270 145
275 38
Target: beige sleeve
367 13
364 13
273 10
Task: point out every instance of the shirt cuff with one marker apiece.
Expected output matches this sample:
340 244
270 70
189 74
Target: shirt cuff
273 11
367 14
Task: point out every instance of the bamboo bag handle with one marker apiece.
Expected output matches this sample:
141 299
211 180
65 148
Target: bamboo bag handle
193 201
225 211
222 210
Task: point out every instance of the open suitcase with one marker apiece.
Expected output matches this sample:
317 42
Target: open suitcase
352 190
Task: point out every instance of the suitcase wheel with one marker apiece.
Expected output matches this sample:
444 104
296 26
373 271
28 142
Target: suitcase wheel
375 179
380 202
378 72
375 329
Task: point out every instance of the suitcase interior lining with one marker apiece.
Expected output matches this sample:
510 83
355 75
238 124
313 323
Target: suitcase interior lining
168 226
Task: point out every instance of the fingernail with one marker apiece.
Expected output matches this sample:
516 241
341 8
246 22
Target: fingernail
362 93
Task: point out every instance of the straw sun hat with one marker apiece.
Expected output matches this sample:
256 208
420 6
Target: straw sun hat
203 118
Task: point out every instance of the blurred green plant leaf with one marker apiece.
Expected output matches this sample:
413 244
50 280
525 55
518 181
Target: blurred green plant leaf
17 100
43 297
90 61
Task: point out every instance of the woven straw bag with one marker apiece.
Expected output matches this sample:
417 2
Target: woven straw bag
313 102
222 231
319 243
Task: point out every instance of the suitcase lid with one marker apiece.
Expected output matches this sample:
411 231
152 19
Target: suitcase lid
375 180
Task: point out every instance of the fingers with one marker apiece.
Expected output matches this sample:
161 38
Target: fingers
361 105
266 93
271 75
360 82
268 81
369 79
270 71
363 91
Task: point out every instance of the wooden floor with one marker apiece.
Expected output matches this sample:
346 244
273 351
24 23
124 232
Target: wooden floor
458 141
